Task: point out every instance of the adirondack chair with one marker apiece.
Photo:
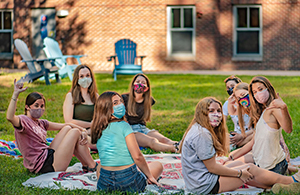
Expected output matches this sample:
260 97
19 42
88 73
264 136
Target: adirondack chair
52 50
30 62
125 50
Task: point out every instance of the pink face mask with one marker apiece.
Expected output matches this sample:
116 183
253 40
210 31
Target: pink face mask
36 113
262 96
215 119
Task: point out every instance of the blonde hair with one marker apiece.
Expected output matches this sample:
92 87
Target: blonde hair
241 108
131 104
75 89
218 133
257 108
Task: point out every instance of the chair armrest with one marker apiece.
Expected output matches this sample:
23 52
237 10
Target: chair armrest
141 57
77 57
40 60
111 57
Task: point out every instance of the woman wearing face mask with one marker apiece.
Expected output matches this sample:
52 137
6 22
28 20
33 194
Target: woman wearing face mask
79 103
204 139
244 132
269 114
230 83
31 132
118 149
138 104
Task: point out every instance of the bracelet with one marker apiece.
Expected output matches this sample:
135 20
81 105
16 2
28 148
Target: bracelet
14 99
240 172
231 157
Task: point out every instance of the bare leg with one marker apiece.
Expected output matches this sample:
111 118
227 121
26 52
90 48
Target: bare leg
65 145
156 169
151 142
160 137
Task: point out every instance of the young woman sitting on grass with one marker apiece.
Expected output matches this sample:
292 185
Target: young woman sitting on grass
244 133
80 101
204 139
270 115
118 149
138 103
31 133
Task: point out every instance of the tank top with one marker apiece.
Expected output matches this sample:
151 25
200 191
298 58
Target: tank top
83 112
267 152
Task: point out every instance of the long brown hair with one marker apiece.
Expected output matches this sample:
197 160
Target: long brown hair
32 97
218 133
257 108
75 89
241 109
131 105
102 114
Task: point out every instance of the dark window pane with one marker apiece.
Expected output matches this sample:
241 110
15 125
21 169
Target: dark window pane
175 18
5 40
188 17
254 17
241 17
1 20
7 20
182 42
247 42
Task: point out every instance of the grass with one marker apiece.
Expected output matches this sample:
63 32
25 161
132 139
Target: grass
176 97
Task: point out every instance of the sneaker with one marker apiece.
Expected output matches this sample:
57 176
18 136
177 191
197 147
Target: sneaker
297 176
293 188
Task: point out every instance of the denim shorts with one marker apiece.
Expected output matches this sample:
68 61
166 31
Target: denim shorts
126 180
281 167
140 128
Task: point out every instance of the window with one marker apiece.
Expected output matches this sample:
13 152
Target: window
181 32
247 36
6 34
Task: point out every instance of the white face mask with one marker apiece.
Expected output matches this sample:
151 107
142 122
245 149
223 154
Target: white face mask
215 119
85 82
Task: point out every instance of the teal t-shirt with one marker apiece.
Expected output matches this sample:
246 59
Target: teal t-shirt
112 146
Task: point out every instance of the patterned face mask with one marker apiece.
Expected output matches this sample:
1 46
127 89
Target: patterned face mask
85 82
230 91
140 88
245 101
215 119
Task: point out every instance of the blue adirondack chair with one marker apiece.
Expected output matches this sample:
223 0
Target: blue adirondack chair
30 62
127 59
52 50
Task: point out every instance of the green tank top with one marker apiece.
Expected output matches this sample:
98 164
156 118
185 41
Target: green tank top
83 112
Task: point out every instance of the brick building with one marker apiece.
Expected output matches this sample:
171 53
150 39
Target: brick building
173 34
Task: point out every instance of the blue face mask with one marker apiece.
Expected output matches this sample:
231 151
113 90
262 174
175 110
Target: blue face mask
119 111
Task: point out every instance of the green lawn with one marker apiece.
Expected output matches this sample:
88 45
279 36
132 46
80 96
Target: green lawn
176 97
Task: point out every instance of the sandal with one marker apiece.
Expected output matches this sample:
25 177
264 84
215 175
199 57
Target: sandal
87 169
176 145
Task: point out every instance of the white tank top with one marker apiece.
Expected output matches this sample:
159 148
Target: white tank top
267 151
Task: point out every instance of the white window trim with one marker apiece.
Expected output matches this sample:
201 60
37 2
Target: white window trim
7 55
247 57
178 56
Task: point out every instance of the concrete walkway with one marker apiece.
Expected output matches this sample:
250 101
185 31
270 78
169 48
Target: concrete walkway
218 72
200 72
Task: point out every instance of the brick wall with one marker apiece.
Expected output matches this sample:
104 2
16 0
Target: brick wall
93 26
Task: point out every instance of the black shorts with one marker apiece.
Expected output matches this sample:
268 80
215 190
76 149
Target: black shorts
48 164
216 188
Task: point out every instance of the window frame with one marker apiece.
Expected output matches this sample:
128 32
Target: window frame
247 57
180 56
7 55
